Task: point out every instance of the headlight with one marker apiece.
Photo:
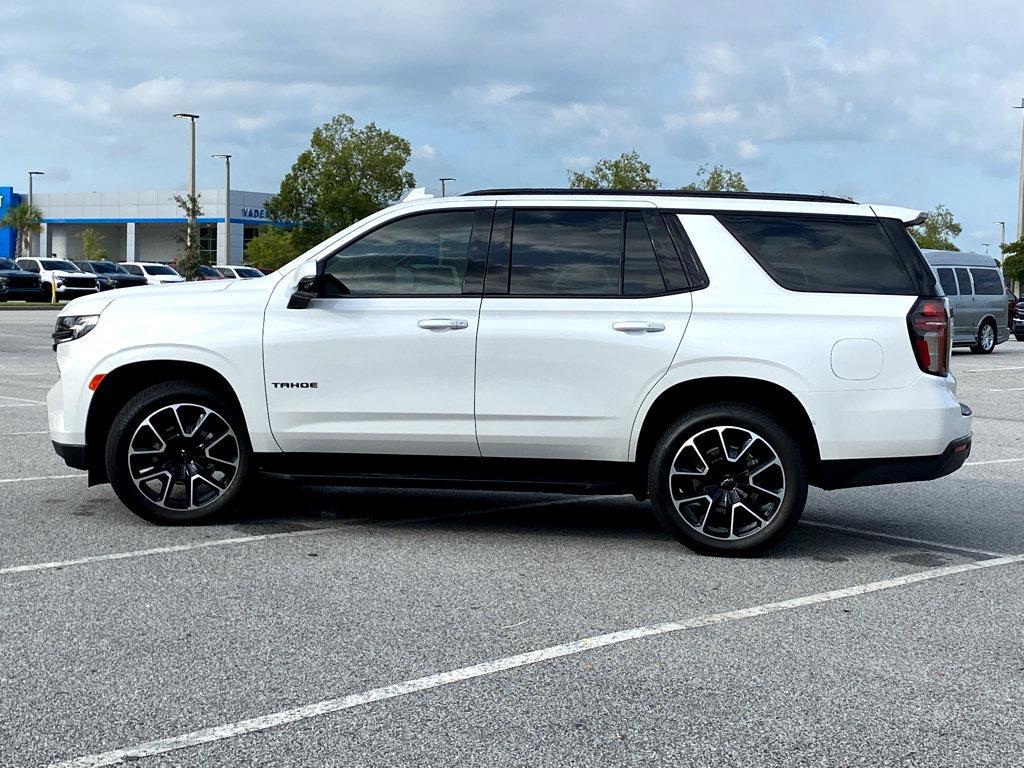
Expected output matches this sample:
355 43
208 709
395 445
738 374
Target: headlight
3 282
73 327
60 282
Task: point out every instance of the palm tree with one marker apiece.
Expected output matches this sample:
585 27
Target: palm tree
27 220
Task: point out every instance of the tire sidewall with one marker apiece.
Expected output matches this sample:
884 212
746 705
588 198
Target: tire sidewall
123 428
724 415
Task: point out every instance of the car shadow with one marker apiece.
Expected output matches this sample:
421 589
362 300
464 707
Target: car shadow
526 516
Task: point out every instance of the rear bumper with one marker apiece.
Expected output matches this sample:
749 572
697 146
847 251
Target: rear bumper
846 473
73 456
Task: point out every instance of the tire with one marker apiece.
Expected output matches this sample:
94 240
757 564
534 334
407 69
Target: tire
727 524
987 339
167 470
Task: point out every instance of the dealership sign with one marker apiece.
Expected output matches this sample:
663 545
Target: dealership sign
254 213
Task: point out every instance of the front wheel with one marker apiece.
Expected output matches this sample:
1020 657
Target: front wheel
986 338
178 453
727 479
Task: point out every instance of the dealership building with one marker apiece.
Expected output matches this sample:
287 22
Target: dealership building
137 226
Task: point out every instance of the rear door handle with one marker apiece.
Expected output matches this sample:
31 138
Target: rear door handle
443 323
641 326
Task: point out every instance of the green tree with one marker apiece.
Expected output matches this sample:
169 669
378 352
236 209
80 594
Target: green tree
346 174
626 172
1013 262
189 256
92 244
938 230
274 247
718 179
27 220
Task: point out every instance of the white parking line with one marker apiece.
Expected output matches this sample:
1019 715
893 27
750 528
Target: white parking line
21 405
897 538
161 550
994 461
22 400
42 478
29 432
352 522
491 667
993 368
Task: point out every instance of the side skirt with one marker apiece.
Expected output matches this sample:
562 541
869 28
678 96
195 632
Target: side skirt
556 476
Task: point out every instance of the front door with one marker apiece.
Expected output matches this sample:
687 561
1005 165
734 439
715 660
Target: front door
965 319
576 326
383 361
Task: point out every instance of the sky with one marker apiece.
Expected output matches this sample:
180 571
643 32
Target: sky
905 103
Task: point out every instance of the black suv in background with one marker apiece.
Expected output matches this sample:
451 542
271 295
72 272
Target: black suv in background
1017 324
110 274
16 283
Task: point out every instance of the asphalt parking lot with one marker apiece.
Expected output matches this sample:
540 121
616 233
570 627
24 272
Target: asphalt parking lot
338 626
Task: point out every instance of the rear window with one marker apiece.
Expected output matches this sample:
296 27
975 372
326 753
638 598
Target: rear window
566 253
805 253
986 282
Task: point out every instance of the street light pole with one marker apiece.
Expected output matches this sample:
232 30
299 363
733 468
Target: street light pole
191 170
227 207
444 179
986 245
1020 181
30 175
1002 232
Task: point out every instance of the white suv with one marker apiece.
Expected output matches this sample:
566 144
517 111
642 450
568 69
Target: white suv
155 273
60 277
714 353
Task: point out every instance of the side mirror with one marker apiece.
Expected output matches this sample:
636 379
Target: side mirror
307 290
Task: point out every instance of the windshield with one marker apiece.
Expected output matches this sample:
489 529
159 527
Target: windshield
248 272
107 267
7 264
58 264
159 269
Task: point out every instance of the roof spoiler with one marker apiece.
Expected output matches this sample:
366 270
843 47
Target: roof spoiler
910 217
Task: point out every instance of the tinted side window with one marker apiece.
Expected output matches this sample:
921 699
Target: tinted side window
566 253
986 282
947 280
134 269
964 279
28 265
419 255
641 275
819 254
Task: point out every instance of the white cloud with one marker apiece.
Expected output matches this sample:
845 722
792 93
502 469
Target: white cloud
424 152
747 150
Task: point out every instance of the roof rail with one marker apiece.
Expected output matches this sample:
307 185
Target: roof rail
673 193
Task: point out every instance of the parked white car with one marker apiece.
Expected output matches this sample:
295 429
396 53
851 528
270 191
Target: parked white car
243 273
715 353
70 282
155 273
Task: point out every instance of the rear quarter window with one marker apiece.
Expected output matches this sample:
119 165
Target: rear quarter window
986 282
807 253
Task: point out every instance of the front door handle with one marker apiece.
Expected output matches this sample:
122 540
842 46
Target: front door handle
641 326
443 323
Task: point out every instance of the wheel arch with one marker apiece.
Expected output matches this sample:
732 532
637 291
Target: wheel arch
119 385
769 396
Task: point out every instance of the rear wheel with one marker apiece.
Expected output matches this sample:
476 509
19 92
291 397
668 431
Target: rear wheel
727 479
986 338
178 453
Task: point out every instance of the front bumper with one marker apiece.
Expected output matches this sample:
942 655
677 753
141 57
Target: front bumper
847 473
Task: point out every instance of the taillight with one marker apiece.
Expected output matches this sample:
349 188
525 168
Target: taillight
928 322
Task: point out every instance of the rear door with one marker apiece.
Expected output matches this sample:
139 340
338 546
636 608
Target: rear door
578 322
